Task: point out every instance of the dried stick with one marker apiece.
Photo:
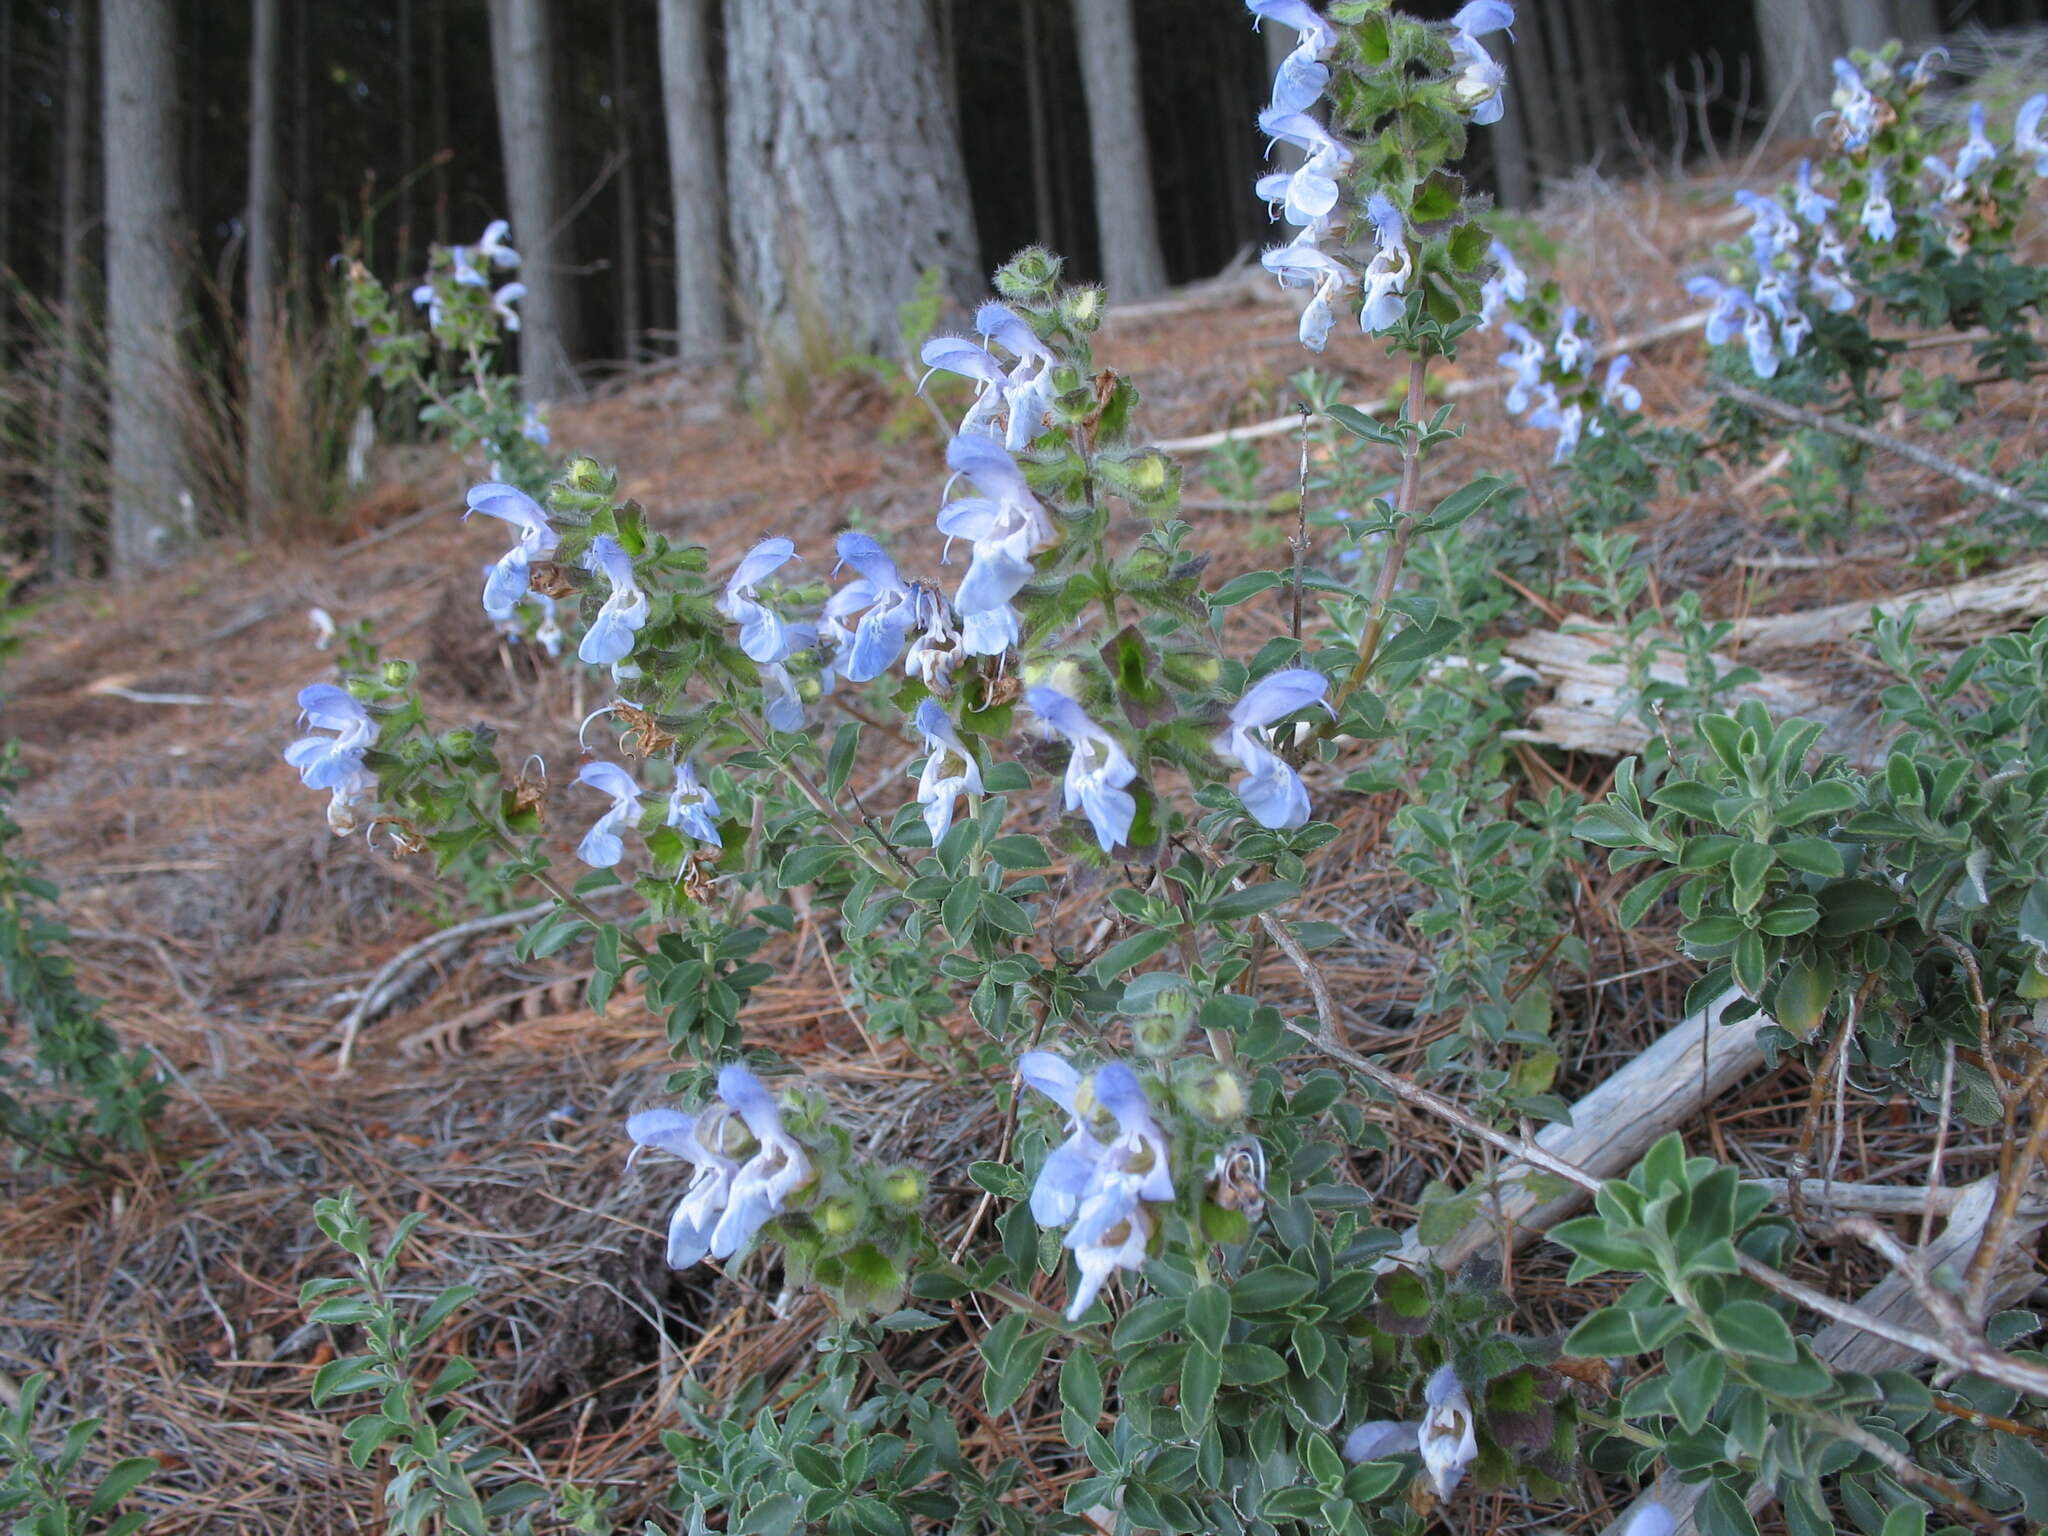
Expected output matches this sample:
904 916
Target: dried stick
1870 437
390 976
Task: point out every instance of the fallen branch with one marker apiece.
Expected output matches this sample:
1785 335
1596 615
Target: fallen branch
1969 609
1870 437
1457 389
396 974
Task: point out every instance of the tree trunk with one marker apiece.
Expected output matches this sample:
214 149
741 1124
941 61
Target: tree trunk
1915 21
259 426
1125 221
523 63
1042 226
408 139
68 434
1799 40
838 134
690 111
145 264
437 112
1514 180
6 202
623 115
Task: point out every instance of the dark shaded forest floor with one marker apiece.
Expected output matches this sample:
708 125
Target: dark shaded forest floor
227 929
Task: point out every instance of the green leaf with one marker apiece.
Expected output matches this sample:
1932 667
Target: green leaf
1001 912
348 1373
1721 1511
122 1479
1208 1316
1147 1321
1462 503
1355 421
839 762
1252 900
1273 1288
1252 1365
1828 800
1242 589
1693 1388
1200 1375
1081 1386
1756 1329
1626 1330
1019 850
1133 951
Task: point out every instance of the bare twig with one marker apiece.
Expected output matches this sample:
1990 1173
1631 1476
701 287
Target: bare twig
1870 437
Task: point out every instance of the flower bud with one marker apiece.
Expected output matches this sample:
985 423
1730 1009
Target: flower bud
1162 1008
837 1217
1029 275
458 741
587 477
903 1187
1211 1091
399 674
1082 309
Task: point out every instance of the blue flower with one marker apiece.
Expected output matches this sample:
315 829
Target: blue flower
1307 194
886 603
1525 362
938 787
502 302
492 247
1272 792
1480 75
1097 769
1617 391
511 577
609 640
1855 108
1303 265
781 705
601 847
1027 388
1115 1159
969 359
326 762
1509 284
1653 1519
2027 138
1302 74
1763 346
1574 351
1809 202
1876 218
1005 523
763 634
1386 276
939 648
428 297
1730 304
728 1200
535 430
1444 1435
691 807
1567 421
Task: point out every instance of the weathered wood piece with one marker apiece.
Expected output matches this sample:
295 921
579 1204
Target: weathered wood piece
1612 1127
1966 611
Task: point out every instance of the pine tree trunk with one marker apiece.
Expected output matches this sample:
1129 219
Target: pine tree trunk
1799 40
1514 180
1125 219
408 139
437 113
848 164
68 434
6 202
623 113
258 422
1915 21
1042 225
145 264
689 108
523 63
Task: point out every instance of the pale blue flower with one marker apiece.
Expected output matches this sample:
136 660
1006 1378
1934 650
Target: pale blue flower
1063 1178
1617 391
493 248
1307 22
601 847
1854 106
1480 75
1567 421
886 603
1977 150
2027 137
610 638
1097 769
1303 265
548 635
1653 1519
428 297
326 762
502 302
1105 1239
1834 292
691 807
1574 350
1509 284
1446 1436
1480 17
1027 388
1730 304
729 1200
1302 75
781 705
1793 330
763 634
1386 276
938 648
1307 194
1525 362
535 429
1272 791
1876 218
969 359
467 273
1005 523
1812 205
1762 344
949 769
511 577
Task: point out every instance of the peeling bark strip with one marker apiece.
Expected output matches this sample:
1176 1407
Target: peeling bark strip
844 168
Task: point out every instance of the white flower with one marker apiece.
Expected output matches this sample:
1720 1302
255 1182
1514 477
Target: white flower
939 787
1445 1436
728 1201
